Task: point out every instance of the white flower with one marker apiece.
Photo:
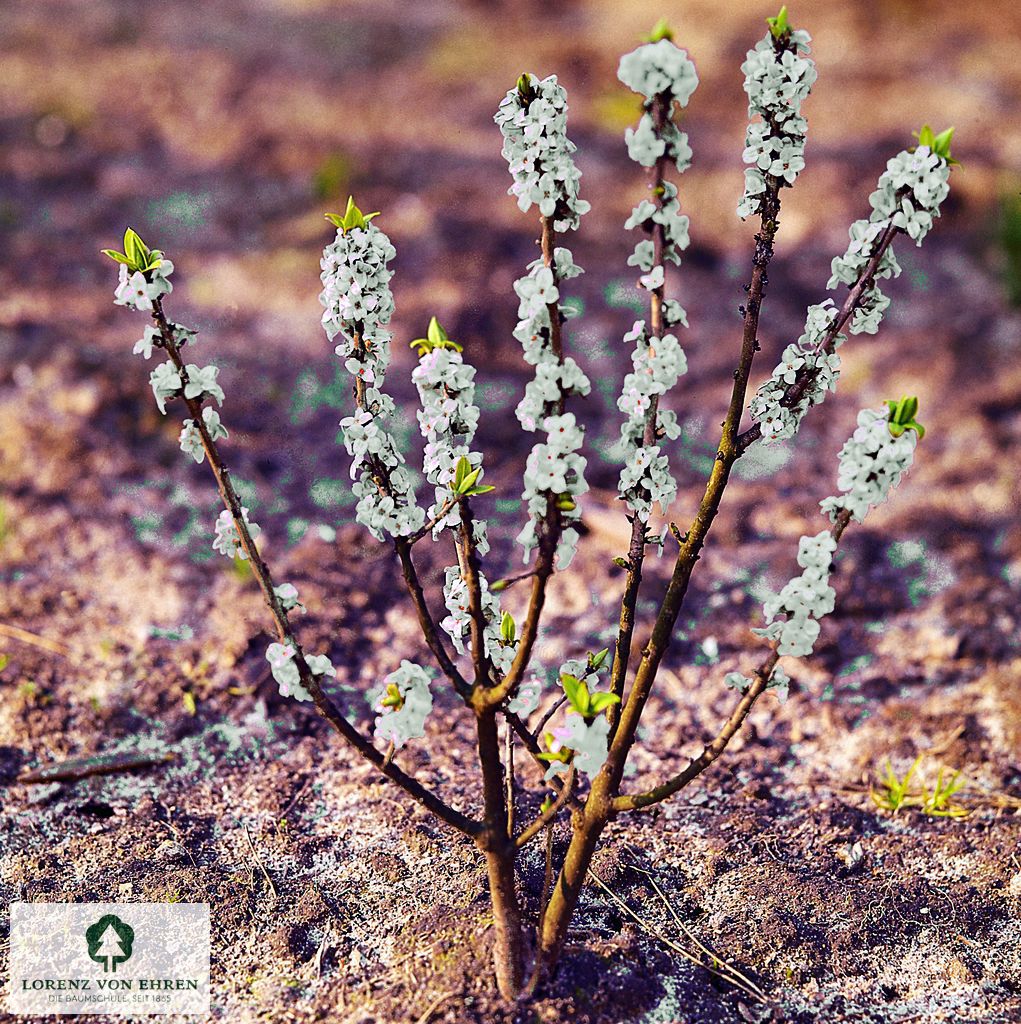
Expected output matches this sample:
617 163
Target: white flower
228 541
165 382
202 382
526 700
150 339
398 725
659 67
135 291
287 595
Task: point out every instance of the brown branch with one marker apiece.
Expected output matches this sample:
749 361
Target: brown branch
639 529
794 394
550 526
468 561
550 813
324 705
726 456
712 751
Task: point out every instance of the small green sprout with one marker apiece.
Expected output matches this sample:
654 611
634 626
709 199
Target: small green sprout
895 792
463 484
587 704
392 698
524 87
595 661
137 256
902 417
436 337
661 30
351 218
565 503
939 803
779 25
508 629
938 144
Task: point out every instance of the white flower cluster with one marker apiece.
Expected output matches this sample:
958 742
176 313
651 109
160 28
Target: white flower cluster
448 419
657 364
527 697
777 79
287 595
808 355
139 292
191 439
285 669
909 195
554 467
228 541
151 338
653 70
778 681
872 461
397 725
589 739
358 305
457 623
538 151
657 69
166 383
804 600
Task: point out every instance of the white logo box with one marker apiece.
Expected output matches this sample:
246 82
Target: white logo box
115 958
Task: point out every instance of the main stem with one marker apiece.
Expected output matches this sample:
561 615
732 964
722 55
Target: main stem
500 852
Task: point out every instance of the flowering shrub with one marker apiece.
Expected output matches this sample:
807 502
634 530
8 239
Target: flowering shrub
584 737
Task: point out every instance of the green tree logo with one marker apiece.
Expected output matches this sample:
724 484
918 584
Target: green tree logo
109 941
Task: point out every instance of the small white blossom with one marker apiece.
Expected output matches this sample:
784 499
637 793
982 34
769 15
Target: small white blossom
228 541
398 725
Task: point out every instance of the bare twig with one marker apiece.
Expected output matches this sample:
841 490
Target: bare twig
547 816
101 764
714 958
258 861
722 971
34 640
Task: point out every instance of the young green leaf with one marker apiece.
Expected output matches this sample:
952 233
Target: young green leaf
661 30
595 661
601 701
902 416
351 218
779 25
436 337
508 630
393 698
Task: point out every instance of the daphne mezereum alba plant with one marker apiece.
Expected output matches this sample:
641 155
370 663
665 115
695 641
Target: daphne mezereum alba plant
478 648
